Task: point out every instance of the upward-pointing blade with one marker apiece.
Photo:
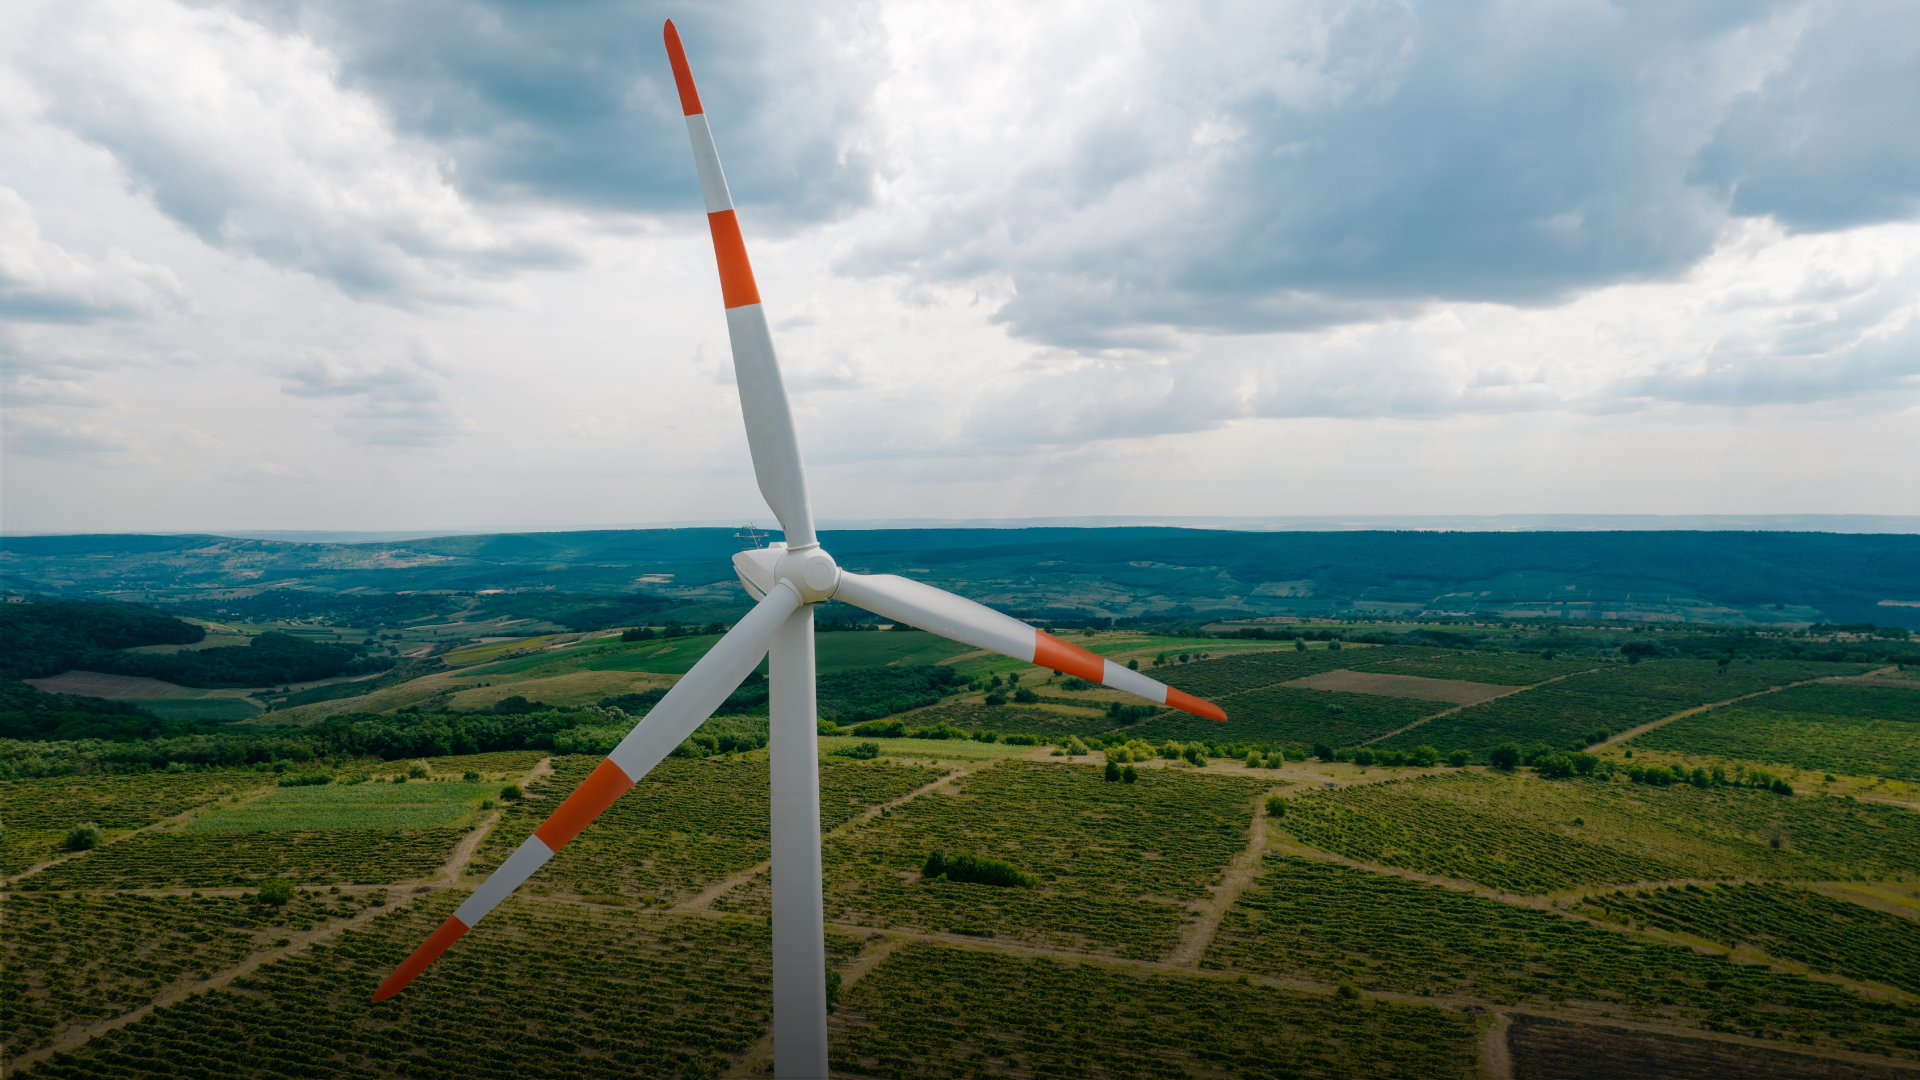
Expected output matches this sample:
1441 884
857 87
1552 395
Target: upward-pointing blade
956 617
763 396
686 706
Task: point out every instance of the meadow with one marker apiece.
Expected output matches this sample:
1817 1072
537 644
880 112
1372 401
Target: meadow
336 807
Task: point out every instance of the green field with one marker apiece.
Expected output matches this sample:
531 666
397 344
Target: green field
928 1008
1314 920
1518 833
1814 741
1498 668
1288 716
1115 862
337 807
217 860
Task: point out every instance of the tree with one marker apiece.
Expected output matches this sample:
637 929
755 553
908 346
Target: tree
1459 758
1129 774
1113 772
1133 665
1425 756
1300 646
510 793
275 892
1323 751
1025 696
1276 806
83 837
1505 756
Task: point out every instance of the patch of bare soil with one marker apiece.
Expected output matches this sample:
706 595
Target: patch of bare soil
1406 686
100 684
1543 1048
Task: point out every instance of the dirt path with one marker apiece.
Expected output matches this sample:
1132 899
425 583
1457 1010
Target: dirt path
71 1038
1698 709
1483 701
1244 868
703 901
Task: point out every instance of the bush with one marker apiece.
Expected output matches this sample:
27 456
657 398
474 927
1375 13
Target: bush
1781 787
1347 990
882 729
469 776
1254 760
1075 748
275 892
1425 757
1505 756
1363 757
1022 739
309 779
83 837
996 698
1323 751
862 751
942 730
1025 696
1276 806
976 870
1459 758
1113 772
984 736
511 793
1129 774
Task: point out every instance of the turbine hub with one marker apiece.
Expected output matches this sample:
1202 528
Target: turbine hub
810 570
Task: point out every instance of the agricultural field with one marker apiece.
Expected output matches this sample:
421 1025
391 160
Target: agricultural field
538 990
338 807
1529 835
1498 668
1544 1047
1286 716
931 1011
501 765
1309 919
1616 697
1116 863
1854 745
684 826
1217 678
171 860
75 959
36 813
1799 924
1043 720
1887 702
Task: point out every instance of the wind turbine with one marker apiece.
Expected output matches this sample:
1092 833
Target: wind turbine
786 579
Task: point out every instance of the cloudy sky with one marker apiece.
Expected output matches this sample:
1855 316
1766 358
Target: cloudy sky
350 264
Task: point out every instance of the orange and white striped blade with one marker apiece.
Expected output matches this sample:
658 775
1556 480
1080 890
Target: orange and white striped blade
941 612
763 395
686 706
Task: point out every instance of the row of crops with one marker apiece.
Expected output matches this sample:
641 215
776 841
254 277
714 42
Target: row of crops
1830 727
1116 863
537 990
167 860
685 825
1289 717
1616 697
1781 920
1497 668
117 802
1315 920
1220 677
931 1011
1530 835
84 958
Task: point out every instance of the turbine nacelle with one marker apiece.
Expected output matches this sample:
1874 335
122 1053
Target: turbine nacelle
808 570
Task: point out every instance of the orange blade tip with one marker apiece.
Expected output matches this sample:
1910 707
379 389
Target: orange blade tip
1189 703
429 951
682 74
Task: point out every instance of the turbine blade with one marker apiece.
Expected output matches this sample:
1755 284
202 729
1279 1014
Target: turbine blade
763 396
956 617
686 706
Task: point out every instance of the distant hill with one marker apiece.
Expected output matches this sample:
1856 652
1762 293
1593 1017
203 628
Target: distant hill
1066 572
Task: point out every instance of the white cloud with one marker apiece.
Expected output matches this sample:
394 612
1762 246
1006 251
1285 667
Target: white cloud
391 402
41 281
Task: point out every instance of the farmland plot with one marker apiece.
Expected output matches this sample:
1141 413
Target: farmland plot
1213 679
1309 919
1858 745
1618 697
117 802
1116 862
1823 933
1284 716
684 826
1499 668
537 990
934 1011
1518 833
70 960
1050 724
336 807
217 860
1900 703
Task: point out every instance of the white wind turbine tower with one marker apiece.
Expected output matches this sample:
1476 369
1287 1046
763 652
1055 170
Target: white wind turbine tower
786 579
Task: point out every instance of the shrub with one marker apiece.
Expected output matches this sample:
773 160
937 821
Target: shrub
1276 806
1347 990
882 729
469 775
1113 772
864 751
984 736
1505 756
1425 757
1075 747
1254 760
1022 739
976 870
1025 696
308 779
510 793
942 730
1129 774
1363 757
1781 787
996 699
418 772
1322 750
275 892
84 837
1459 758
826 727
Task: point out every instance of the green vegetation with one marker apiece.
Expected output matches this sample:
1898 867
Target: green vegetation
1226 675
336 807
686 825
1900 703
536 991
976 870
1799 924
1617 697
27 713
1049 723
1314 920
1842 744
1498 668
1115 862
172 860
928 1010
38 640
1515 833
73 959
1290 717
